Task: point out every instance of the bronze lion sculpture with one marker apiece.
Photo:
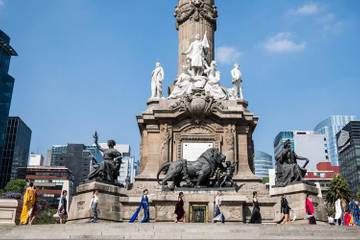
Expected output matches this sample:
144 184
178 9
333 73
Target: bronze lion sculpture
196 173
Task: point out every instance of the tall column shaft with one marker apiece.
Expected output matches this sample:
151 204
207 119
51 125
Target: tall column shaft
195 17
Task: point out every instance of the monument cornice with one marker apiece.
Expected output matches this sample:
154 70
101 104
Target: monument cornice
162 110
196 10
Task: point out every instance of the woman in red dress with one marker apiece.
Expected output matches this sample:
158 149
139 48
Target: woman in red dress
310 210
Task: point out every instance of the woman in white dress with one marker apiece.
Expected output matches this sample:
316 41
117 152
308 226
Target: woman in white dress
338 211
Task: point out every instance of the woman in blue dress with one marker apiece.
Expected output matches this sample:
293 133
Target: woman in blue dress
144 204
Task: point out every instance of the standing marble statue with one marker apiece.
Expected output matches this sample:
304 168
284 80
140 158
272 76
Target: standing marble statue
237 81
196 53
157 76
212 86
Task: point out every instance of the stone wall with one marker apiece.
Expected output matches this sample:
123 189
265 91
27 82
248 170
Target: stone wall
8 211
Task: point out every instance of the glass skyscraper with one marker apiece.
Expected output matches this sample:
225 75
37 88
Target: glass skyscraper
73 156
348 142
330 127
6 84
263 162
16 149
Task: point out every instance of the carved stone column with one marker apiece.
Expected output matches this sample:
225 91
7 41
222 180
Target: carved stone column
230 143
244 170
195 17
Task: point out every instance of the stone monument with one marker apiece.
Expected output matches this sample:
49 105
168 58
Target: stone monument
198 140
102 178
199 115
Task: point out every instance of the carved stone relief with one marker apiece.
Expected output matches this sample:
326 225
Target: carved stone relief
196 10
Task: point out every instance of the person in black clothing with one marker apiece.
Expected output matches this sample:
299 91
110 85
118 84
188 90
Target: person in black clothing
285 209
255 215
179 208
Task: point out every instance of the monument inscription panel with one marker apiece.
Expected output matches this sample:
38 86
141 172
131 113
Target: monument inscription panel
192 151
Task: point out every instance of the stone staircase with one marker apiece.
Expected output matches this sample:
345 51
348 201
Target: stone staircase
178 231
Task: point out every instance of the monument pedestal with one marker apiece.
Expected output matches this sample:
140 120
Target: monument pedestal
109 206
296 195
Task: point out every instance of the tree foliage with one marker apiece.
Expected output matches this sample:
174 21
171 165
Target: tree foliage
265 180
45 216
17 185
339 188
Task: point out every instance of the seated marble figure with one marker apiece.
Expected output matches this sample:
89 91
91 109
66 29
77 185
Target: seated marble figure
287 169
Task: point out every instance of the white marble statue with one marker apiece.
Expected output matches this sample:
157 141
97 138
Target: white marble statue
157 76
212 86
196 54
184 83
237 82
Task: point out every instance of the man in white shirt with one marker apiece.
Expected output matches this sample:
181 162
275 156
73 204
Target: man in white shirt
93 206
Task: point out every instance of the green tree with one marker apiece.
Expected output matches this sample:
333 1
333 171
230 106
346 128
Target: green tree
17 185
265 180
45 216
339 188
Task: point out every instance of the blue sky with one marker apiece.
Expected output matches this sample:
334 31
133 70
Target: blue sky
85 65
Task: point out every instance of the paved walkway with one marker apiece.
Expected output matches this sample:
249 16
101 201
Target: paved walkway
178 231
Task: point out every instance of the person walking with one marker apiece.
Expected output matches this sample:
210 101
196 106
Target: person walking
93 206
285 210
179 208
354 209
338 212
144 204
62 210
28 204
310 210
255 215
347 218
218 216
34 208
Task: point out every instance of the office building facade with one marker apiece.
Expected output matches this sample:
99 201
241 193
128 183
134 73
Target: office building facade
330 127
127 170
6 84
74 157
309 144
16 149
263 162
322 176
36 159
348 142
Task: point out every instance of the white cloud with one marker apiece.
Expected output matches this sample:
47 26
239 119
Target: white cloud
227 55
330 24
283 42
307 9
2 3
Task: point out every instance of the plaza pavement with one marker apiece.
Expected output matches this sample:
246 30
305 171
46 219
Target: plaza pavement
178 231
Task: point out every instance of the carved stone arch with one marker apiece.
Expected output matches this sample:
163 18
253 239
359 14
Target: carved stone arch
197 129
187 132
187 125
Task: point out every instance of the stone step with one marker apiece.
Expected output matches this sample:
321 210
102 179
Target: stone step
178 231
